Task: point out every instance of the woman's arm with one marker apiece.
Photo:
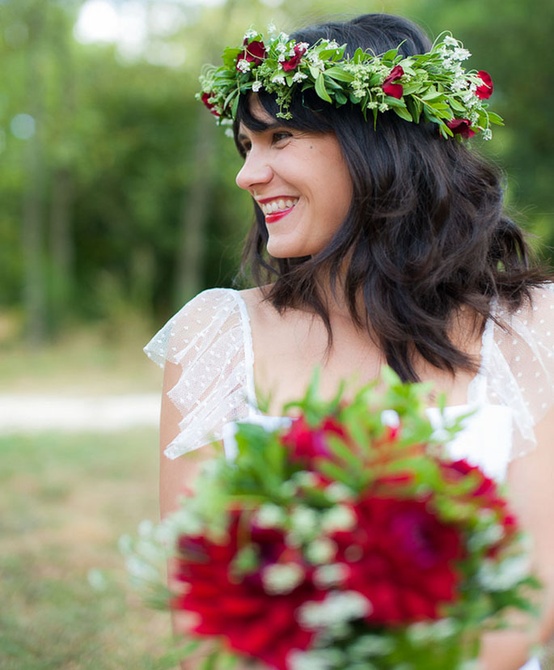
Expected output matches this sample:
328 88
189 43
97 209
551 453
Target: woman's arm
531 491
177 478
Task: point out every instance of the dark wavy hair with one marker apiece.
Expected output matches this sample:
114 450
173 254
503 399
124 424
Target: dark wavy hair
425 234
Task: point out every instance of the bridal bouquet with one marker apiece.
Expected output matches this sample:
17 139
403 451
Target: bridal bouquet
345 540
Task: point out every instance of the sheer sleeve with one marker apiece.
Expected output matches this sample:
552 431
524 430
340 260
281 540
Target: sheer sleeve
209 340
520 365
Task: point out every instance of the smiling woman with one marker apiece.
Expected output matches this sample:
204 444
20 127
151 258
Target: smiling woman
379 238
299 180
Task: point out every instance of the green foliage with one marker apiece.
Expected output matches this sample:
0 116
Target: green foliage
512 44
95 204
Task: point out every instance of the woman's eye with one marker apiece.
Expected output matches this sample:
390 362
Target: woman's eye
245 148
281 136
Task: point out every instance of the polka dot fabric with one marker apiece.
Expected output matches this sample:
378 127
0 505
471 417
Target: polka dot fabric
210 339
207 339
518 365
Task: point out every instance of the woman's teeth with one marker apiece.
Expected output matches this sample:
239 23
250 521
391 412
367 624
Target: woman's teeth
277 206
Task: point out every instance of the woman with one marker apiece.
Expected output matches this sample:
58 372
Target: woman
379 238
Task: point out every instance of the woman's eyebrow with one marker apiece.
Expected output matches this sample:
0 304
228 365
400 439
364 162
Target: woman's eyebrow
262 127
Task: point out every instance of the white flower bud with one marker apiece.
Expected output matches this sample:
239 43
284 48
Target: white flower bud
338 518
330 575
269 516
282 578
322 550
337 608
304 521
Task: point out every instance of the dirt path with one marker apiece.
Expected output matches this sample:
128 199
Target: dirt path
35 413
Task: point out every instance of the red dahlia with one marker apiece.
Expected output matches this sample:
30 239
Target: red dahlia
402 558
236 607
485 491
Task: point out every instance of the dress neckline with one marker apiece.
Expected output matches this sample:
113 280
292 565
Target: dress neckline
476 394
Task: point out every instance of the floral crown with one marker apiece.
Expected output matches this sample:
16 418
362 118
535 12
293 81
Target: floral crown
433 86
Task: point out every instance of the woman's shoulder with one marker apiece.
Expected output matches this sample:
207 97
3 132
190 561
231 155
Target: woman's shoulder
214 317
532 321
208 341
519 359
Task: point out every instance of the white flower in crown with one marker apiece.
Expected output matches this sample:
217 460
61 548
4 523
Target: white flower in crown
461 54
243 65
450 41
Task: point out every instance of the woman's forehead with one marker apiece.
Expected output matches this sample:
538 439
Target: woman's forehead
258 111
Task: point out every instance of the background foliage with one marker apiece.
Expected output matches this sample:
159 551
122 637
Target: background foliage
117 192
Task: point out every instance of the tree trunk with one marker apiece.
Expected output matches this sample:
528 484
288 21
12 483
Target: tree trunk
195 213
196 202
62 250
34 284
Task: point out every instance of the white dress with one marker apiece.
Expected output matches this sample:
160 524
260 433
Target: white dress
210 338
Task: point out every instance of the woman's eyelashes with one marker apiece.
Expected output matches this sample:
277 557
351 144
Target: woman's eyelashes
244 147
281 136
275 138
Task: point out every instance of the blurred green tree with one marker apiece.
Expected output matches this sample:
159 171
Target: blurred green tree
512 41
117 190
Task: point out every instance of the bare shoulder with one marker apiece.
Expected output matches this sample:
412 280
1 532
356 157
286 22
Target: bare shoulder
253 296
539 305
256 302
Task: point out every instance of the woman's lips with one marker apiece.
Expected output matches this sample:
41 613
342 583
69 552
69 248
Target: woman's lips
275 209
276 216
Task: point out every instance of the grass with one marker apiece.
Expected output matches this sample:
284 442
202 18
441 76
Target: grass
64 502
86 361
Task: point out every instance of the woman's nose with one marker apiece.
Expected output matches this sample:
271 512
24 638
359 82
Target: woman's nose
255 170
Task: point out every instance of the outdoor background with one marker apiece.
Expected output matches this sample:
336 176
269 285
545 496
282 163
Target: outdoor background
117 204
